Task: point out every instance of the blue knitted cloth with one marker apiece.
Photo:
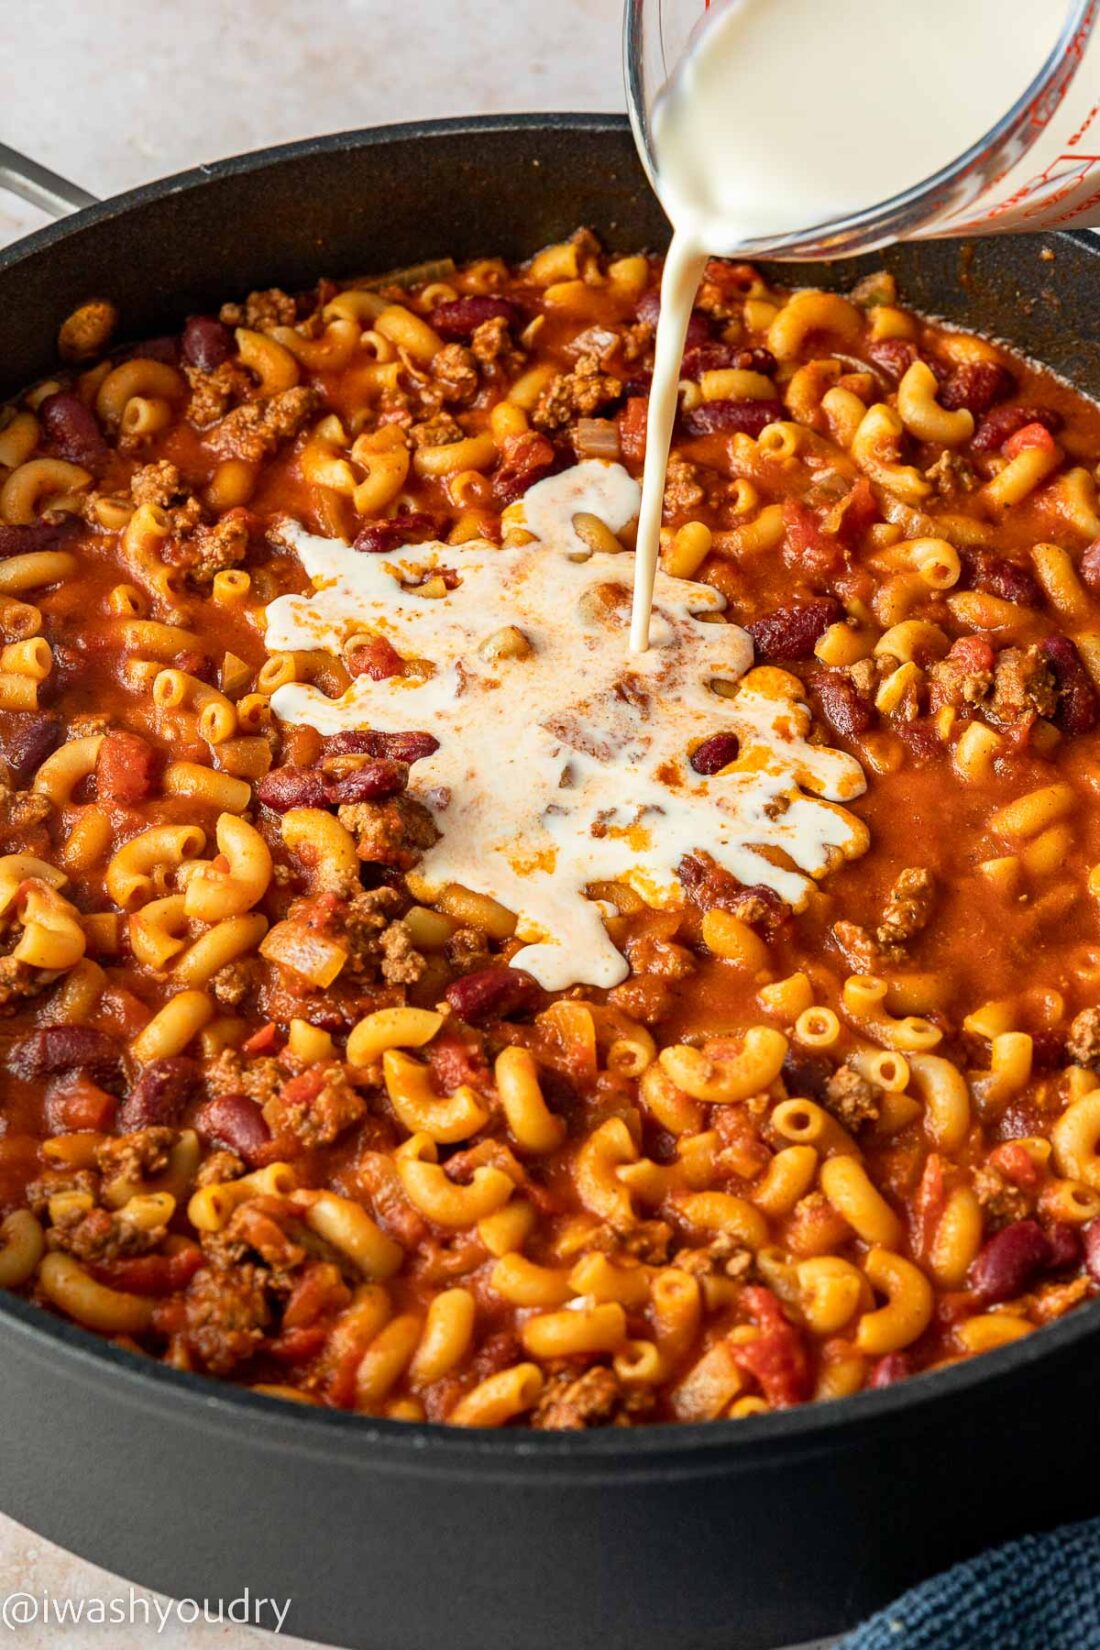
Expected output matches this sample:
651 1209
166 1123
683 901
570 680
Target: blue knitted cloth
1039 1593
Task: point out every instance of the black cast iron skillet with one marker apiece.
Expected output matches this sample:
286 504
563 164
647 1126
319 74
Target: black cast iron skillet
734 1536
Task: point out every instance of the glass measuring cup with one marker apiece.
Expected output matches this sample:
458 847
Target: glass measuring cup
1037 168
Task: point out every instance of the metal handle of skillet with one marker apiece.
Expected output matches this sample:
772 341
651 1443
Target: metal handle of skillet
35 183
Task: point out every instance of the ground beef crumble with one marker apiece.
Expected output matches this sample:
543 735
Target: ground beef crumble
18 981
1001 1201
572 1403
226 1314
579 393
134 1157
851 1098
492 348
1023 686
442 430
159 483
395 832
455 371
103 1235
683 490
269 308
213 393
254 431
233 983
907 910
210 549
856 946
317 1106
379 941
1083 1042
258 1079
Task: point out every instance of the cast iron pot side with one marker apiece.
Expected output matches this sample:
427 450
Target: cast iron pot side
391 1536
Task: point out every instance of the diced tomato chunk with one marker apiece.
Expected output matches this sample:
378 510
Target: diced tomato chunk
125 769
1032 435
262 1041
454 1062
306 1087
857 511
777 1357
816 555
78 1105
930 1200
1013 1160
632 424
150 1274
295 1346
319 1290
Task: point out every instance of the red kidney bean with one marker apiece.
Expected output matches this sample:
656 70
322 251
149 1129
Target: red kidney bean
458 320
235 1122
842 705
71 429
997 575
1078 702
976 385
382 537
890 1370
55 1049
805 1075
1091 1236
25 745
373 782
1003 422
165 349
792 632
1009 1261
528 458
707 885
206 343
1089 567
375 657
649 309
491 991
401 747
1065 1245
714 753
38 535
160 1095
894 356
288 787
726 417
715 354
761 907
1048 1049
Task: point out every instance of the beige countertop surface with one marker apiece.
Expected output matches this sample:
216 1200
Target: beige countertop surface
118 92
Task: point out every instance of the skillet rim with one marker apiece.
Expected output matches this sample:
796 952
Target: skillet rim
668 1448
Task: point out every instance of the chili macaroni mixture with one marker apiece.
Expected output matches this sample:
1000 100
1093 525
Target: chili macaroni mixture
278 1108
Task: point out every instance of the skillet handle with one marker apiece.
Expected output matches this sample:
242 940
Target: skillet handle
41 187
